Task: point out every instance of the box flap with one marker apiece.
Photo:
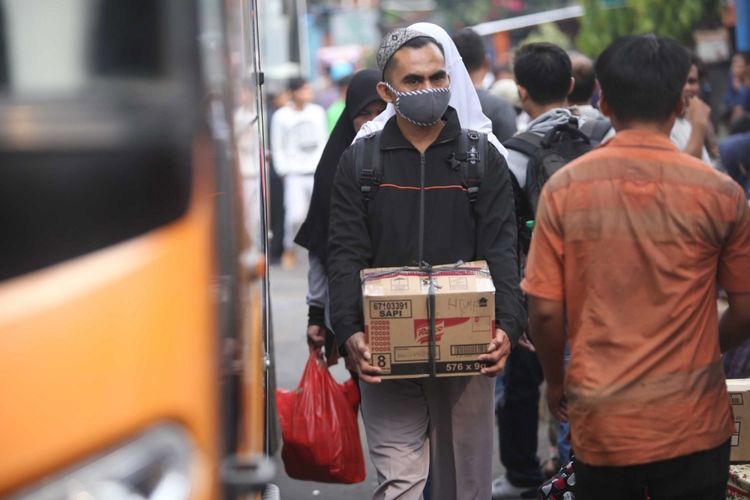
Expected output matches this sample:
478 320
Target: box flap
738 384
452 278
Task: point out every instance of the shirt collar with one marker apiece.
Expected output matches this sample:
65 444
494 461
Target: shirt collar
642 138
392 138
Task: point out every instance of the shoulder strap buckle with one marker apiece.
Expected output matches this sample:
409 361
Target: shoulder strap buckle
473 147
368 165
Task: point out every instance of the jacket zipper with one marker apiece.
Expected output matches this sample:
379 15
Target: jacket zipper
421 207
422 167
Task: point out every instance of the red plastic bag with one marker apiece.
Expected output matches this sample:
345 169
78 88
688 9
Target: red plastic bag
319 428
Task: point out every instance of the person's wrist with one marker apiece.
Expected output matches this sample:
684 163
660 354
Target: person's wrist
348 346
351 341
316 316
701 124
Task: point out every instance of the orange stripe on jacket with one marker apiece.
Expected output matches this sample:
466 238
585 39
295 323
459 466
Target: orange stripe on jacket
417 188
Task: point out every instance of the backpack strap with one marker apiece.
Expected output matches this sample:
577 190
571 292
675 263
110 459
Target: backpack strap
368 166
474 144
556 133
527 143
523 215
596 130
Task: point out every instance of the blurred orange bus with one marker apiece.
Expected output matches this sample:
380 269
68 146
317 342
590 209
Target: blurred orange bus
134 340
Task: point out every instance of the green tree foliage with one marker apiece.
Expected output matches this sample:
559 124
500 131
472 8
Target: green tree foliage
601 24
465 12
548 32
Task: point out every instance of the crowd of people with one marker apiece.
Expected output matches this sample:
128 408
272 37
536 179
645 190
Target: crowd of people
607 266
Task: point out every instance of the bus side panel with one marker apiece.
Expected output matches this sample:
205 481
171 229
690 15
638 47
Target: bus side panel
97 348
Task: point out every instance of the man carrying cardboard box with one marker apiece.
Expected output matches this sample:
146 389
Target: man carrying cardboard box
421 212
629 244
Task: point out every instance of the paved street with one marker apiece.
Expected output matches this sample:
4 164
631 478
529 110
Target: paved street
288 289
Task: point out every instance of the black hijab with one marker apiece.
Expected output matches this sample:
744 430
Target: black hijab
313 234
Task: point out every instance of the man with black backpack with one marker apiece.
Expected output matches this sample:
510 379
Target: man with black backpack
409 195
544 78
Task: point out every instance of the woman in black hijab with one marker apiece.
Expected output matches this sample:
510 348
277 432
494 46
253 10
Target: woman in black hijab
362 105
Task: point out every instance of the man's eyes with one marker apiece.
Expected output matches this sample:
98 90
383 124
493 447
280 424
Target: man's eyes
433 79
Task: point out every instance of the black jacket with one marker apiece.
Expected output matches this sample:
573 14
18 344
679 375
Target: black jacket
385 231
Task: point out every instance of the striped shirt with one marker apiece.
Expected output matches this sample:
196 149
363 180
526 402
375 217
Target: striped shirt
633 237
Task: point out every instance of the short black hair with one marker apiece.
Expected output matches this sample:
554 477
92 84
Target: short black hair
696 61
471 48
642 76
740 125
415 43
543 69
585 79
295 84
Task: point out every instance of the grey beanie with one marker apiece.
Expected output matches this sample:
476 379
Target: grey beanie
394 41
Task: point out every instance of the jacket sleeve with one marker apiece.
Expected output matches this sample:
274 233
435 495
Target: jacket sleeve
278 143
349 250
497 244
317 284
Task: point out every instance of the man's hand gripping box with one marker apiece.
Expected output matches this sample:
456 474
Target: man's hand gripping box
407 310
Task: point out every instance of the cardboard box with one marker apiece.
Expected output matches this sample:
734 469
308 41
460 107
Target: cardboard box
739 398
400 329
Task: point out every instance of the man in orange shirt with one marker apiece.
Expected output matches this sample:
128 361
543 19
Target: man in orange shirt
629 243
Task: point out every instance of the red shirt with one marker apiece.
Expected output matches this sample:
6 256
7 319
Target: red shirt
632 237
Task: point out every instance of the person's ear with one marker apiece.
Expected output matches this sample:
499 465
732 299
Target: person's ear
384 92
570 87
604 106
523 95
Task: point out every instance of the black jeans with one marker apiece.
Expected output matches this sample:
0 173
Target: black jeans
519 419
698 476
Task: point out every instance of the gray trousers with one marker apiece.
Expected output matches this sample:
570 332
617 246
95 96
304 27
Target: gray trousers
440 425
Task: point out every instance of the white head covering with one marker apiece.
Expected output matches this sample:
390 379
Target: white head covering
464 97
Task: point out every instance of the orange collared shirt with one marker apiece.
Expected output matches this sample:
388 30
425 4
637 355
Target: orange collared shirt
632 237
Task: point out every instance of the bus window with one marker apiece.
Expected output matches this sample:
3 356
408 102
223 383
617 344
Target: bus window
127 33
95 141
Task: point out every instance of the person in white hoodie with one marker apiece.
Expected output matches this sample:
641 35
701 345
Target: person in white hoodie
298 136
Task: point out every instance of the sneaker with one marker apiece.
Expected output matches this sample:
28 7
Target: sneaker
288 260
551 466
502 488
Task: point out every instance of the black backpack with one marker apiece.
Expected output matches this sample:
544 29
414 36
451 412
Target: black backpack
470 159
547 154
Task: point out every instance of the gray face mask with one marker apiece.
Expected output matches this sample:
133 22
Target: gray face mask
422 107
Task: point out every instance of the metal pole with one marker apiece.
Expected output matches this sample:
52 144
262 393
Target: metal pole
269 383
303 38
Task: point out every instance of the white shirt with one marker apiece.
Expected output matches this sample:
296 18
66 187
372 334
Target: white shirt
680 136
298 138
